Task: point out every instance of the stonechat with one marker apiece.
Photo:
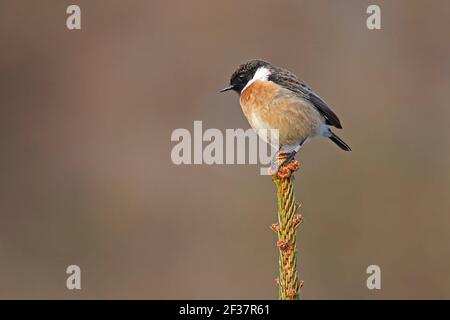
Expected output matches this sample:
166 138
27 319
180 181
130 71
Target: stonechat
274 98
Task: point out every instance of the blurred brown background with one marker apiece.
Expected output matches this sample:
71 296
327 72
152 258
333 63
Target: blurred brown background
86 174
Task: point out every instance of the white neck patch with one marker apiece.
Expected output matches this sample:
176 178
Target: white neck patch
262 74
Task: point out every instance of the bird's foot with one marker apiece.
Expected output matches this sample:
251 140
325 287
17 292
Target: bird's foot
284 164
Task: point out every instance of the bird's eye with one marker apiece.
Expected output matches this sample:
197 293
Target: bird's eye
241 77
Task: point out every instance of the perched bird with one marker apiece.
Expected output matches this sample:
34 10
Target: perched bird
274 98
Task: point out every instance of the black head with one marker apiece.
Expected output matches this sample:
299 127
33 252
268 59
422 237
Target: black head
244 73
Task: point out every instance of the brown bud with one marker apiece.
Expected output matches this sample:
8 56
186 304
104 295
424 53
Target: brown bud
291 294
275 227
301 283
298 218
293 165
284 172
283 245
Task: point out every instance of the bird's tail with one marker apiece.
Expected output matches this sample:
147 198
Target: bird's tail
341 144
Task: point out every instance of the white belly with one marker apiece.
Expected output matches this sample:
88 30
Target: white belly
264 131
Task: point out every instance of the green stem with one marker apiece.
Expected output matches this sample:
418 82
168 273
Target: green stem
288 221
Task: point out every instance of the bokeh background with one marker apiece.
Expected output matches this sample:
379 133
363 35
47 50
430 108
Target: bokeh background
87 178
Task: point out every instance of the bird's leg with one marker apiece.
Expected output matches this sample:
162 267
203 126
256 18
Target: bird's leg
276 162
289 158
284 157
281 157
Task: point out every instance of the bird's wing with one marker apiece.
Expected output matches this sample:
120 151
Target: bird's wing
289 81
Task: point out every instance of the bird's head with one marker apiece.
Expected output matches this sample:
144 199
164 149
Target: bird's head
251 70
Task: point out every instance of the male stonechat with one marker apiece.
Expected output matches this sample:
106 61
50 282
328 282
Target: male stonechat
274 98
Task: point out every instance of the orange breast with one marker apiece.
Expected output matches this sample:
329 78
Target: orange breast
258 95
273 106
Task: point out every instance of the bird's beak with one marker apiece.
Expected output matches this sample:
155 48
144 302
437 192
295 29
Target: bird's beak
230 87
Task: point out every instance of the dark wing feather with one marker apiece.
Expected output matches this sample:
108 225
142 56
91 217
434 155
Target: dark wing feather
289 81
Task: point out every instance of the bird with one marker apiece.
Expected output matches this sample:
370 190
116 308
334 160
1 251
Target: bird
274 98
